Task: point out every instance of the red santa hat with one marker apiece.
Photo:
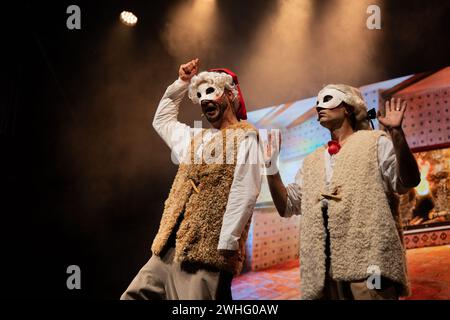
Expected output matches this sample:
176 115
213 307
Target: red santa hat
241 112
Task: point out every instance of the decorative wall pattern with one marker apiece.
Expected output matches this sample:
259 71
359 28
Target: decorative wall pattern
275 240
427 120
427 238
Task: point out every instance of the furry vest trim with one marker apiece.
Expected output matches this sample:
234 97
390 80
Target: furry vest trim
363 220
201 191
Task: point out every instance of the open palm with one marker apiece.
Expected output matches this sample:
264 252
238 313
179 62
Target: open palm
394 112
273 146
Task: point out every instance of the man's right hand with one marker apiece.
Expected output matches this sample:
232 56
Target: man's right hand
272 148
188 70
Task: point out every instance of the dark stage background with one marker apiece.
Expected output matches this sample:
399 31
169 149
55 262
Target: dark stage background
83 174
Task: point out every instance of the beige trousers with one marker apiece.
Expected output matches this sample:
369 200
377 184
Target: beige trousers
358 290
164 279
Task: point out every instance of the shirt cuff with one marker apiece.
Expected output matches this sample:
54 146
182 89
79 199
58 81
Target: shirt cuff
270 168
293 200
229 244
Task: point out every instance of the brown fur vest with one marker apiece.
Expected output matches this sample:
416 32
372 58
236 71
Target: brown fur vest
362 219
198 235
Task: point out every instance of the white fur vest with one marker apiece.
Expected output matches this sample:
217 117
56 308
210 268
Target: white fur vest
362 218
198 234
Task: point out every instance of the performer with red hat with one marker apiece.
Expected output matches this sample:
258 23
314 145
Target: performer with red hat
351 243
200 244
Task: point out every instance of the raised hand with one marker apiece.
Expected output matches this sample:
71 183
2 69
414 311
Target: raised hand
394 112
188 70
272 148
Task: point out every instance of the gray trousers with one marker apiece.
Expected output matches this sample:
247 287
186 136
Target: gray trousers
161 278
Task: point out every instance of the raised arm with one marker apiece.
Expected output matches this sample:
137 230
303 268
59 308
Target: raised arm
278 192
165 121
407 169
286 199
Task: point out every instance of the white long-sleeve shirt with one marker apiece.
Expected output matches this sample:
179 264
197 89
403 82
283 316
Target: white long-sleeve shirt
387 166
247 175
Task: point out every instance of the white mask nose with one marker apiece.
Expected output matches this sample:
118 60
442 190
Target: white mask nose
330 98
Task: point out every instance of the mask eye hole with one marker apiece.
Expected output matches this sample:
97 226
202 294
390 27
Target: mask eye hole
327 98
199 95
210 90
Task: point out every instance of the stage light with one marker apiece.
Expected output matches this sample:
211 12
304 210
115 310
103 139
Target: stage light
128 18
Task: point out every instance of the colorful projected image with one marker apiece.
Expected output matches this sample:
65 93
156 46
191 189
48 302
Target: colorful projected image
426 125
429 202
301 132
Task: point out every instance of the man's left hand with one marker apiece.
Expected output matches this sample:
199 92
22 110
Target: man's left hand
394 112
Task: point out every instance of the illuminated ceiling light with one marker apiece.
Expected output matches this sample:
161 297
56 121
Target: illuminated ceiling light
128 18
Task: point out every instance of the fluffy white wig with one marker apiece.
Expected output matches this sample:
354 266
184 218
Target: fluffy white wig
218 80
354 98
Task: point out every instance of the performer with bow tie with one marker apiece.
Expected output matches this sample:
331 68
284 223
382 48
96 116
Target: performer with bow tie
346 192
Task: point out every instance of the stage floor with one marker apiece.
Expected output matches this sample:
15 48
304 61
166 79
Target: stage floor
429 273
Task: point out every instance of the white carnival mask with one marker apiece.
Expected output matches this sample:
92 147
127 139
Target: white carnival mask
209 91
330 98
210 86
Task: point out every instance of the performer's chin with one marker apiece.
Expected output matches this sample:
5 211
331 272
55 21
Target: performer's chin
322 120
213 115
215 122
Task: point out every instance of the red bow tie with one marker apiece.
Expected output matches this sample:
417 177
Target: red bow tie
333 147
